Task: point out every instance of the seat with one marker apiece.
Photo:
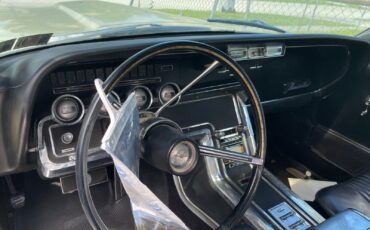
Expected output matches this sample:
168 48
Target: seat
351 194
348 219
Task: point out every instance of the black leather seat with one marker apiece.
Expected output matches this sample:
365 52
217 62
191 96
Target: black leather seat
354 194
348 219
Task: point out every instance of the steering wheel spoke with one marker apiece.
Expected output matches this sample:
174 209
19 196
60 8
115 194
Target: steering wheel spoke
229 155
207 71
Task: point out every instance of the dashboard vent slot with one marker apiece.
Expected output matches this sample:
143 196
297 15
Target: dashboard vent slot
72 79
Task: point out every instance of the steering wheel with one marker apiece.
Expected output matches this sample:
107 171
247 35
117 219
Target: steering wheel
172 131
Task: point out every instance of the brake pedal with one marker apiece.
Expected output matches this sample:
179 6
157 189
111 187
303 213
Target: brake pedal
17 199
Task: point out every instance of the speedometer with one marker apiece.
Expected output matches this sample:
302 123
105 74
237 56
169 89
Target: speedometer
144 97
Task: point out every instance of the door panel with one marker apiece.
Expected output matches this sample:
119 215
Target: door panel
343 135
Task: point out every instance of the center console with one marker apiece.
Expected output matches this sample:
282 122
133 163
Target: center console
215 186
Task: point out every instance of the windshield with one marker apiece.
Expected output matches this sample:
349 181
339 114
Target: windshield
64 20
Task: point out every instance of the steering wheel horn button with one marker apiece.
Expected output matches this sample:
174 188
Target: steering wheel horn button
183 157
167 148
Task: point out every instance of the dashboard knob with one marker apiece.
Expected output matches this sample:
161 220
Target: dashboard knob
67 138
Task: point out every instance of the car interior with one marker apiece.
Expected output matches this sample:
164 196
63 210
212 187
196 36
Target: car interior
236 129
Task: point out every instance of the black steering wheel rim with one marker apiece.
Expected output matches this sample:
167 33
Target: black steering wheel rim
122 71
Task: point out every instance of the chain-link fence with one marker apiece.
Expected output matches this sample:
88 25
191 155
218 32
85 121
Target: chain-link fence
348 17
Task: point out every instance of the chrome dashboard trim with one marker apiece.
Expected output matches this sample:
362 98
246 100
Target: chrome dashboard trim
231 196
49 169
248 133
89 87
221 186
201 99
186 200
231 193
214 88
53 146
229 155
190 205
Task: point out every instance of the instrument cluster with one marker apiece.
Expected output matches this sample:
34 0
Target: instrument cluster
69 109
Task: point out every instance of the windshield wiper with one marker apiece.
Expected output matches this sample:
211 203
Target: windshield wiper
253 23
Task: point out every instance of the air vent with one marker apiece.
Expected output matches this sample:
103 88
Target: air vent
74 77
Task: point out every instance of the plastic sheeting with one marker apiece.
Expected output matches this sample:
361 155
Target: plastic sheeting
121 141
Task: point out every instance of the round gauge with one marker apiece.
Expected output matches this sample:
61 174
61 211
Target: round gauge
114 99
144 97
67 109
167 92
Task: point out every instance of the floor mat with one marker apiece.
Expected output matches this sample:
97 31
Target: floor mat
307 188
47 208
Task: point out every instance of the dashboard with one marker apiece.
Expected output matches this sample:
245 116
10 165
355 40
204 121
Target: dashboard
44 93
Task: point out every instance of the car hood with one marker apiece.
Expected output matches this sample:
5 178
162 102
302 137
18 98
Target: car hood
74 17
